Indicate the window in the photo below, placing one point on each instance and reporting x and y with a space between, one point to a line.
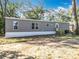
47 24
15 24
57 26
36 25
33 25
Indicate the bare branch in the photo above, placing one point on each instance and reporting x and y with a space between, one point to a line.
1 5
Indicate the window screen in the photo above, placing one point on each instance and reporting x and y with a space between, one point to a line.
33 25
15 24
36 25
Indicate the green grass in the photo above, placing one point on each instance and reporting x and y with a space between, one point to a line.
13 40
19 40
72 37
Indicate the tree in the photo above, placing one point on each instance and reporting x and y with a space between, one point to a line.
34 14
75 16
7 8
60 16
36 10
3 4
11 9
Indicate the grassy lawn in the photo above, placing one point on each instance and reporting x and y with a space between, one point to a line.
73 37
36 50
17 40
13 40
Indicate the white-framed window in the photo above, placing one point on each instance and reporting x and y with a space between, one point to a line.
15 25
47 24
57 26
34 25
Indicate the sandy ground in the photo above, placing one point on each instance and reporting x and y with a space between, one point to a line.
38 49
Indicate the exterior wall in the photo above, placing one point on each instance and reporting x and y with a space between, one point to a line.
64 26
26 25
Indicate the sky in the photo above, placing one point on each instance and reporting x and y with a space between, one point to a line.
52 3
57 3
49 4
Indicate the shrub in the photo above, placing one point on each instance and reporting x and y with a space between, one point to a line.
1 26
60 32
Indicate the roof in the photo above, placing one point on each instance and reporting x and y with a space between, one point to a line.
11 18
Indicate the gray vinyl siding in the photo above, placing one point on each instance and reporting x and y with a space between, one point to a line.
26 26
64 26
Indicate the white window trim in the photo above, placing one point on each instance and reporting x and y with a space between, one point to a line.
56 26
35 26
14 24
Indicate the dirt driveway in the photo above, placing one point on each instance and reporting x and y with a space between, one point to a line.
41 49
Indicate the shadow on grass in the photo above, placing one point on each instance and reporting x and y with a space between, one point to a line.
13 55
69 42
10 55
30 57
22 39
47 39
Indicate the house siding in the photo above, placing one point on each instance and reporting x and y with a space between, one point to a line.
26 25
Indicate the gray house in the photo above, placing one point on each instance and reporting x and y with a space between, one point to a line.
17 27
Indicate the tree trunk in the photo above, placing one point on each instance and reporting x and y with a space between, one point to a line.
75 16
